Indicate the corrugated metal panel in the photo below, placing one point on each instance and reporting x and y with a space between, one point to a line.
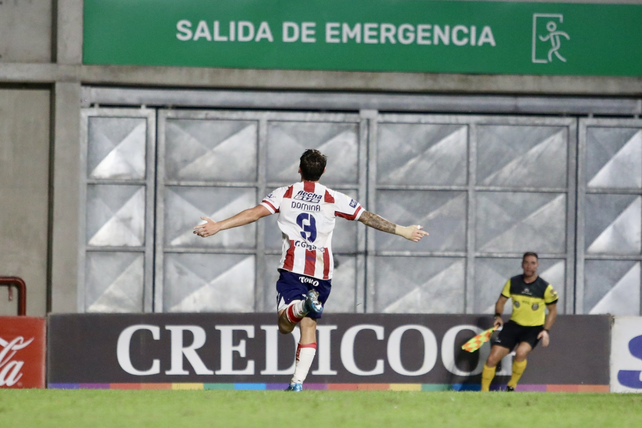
610 217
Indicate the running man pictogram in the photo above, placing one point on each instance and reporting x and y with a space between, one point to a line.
556 42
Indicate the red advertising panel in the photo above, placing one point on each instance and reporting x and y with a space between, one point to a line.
22 352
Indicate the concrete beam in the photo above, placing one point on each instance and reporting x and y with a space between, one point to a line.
31 73
360 81
69 32
66 183
349 100
188 77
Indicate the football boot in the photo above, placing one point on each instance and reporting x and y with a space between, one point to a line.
312 304
295 387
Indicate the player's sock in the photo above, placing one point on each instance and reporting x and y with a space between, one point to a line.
304 357
487 377
296 311
518 369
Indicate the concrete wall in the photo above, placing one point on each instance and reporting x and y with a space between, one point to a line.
24 190
25 26
41 47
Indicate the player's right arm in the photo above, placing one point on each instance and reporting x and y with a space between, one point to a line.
412 233
211 227
499 305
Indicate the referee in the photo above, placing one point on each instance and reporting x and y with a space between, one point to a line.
528 323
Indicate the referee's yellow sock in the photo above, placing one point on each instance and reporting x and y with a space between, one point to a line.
518 369
487 377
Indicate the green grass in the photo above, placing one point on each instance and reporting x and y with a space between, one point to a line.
328 409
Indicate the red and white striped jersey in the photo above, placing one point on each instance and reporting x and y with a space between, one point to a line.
307 215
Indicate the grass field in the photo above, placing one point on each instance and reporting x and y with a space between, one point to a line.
328 409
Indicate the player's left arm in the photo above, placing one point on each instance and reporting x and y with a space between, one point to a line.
412 233
211 227
548 323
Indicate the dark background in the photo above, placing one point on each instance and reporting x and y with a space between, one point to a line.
82 349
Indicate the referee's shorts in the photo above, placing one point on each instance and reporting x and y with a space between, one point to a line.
512 334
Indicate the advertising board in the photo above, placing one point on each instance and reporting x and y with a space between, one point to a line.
22 352
626 355
246 351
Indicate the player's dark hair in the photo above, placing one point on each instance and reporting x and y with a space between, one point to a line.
312 164
529 253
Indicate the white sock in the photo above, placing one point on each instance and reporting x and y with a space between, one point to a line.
296 311
304 357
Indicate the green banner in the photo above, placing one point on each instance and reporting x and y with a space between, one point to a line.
368 35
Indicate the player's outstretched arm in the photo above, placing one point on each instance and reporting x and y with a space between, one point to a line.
211 227
412 233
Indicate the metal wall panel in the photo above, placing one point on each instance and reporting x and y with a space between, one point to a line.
487 189
443 213
115 215
216 164
287 140
117 197
117 148
492 274
420 285
211 150
185 205
522 156
609 217
422 154
512 222
197 282
611 287
114 281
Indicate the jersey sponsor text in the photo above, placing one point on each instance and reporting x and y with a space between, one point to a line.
306 207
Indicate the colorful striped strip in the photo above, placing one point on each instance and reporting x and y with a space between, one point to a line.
328 387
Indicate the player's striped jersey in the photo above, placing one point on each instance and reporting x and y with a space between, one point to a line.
307 215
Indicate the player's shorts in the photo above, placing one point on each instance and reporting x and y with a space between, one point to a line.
294 286
513 334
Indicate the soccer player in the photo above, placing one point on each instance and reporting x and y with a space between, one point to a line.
307 212
528 324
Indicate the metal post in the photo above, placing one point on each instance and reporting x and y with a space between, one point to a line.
14 281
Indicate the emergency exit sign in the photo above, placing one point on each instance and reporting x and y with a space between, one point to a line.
368 35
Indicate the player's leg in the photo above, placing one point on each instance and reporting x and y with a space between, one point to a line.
527 342
305 353
308 344
285 325
294 301
497 353
297 309
503 343
519 364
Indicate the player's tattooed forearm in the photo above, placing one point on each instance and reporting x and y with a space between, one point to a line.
377 222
